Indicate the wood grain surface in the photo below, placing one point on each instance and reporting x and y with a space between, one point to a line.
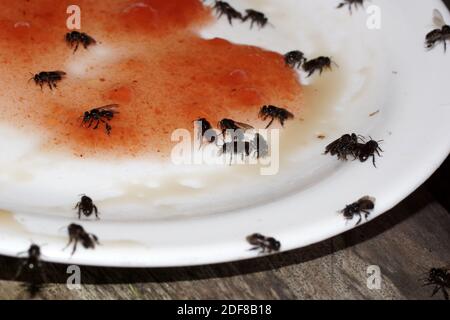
405 243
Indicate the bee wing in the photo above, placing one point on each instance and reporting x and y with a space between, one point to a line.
244 125
110 107
61 73
368 198
438 19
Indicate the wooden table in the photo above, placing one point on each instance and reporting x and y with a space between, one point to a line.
404 243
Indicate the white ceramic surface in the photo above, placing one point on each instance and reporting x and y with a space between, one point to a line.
165 215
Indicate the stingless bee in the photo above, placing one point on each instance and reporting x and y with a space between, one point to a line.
100 115
224 8
78 234
256 17
259 146
263 243
363 205
294 59
364 151
206 131
48 77
236 147
273 113
343 147
441 34
33 266
87 207
440 279
319 64
75 38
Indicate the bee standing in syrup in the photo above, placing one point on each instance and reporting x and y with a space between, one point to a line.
236 128
351 3
318 64
224 8
206 131
75 38
363 205
48 77
259 146
294 59
441 34
265 244
78 234
273 113
100 115
440 279
236 147
256 17
86 207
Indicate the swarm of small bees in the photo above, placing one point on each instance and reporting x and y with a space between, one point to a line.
234 133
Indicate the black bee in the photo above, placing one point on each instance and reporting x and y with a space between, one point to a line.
274 113
78 234
48 77
32 262
237 147
100 115
86 206
364 151
259 146
440 279
441 34
237 128
343 147
224 8
363 205
351 3
294 59
33 266
319 63
256 17
206 130
265 244
75 38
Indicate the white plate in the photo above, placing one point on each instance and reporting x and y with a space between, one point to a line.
385 69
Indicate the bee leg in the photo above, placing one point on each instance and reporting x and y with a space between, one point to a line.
270 123
230 19
445 292
436 290
359 220
76 46
96 212
108 128
97 124
79 213
373 160
71 239
74 247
